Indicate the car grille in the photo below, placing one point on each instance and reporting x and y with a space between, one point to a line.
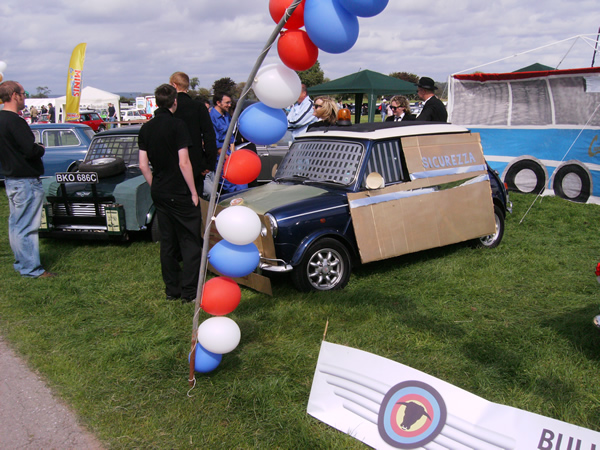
78 209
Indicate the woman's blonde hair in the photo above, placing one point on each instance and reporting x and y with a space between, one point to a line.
328 111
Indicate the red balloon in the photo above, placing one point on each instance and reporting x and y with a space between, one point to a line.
277 9
242 167
221 296
296 50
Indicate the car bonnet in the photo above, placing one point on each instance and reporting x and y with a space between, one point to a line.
264 198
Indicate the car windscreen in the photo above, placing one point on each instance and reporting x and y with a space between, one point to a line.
322 161
118 146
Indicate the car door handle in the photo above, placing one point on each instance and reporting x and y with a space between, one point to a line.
264 154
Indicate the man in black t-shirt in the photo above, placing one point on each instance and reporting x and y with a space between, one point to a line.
164 142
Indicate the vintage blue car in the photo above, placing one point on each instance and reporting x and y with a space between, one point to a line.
345 195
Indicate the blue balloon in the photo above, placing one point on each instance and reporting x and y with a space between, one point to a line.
234 260
364 8
330 26
205 361
262 124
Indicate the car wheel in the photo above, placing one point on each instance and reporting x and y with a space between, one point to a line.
325 266
493 240
525 176
104 167
572 182
101 128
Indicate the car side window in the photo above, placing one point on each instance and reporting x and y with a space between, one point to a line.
59 138
387 160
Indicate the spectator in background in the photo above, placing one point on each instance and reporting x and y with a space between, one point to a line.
203 151
300 115
51 113
400 109
325 110
433 109
112 114
383 108
34 114
221 119
21 160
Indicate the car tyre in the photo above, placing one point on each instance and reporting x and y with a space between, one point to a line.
325 266
493 240
104 167
530 170
101 128
578 188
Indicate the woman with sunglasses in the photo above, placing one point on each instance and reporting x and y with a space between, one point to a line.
326 110
400 109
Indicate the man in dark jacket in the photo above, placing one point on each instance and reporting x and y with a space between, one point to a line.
21 160
203 151
433 110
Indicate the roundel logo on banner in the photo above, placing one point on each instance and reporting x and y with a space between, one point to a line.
411 415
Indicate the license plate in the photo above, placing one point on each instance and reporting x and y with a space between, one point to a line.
77 177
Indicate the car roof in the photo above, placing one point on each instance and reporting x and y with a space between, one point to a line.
58 125
385 130
129 129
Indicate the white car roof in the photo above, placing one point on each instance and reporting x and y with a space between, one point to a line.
385 132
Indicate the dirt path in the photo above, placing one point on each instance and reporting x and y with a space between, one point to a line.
31 417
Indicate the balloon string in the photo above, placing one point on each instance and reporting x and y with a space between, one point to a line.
193 380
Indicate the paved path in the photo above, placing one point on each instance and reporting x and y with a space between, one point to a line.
31 417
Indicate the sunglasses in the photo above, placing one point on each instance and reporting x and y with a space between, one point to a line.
317 106
394 108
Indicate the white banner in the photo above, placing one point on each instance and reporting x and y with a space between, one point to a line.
389 405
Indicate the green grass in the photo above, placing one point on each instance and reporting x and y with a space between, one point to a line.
512 325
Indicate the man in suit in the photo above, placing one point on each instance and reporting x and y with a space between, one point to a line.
400 109
433 110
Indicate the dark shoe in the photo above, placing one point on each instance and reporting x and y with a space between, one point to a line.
172 297
187 300
47 274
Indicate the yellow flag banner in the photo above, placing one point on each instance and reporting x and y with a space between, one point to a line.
74 82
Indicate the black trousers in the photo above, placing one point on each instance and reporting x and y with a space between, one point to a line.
180 226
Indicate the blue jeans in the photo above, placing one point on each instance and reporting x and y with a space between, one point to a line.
25 197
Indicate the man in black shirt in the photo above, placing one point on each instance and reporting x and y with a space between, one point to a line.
21 160
203 151
164 142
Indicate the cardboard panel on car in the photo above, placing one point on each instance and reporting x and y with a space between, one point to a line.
449 201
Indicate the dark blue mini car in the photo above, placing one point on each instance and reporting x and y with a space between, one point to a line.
360 193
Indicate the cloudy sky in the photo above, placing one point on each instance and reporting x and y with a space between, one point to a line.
134 45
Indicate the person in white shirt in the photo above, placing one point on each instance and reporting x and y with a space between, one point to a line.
301 114
400 109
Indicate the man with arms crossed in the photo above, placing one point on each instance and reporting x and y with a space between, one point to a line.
164 142
21 160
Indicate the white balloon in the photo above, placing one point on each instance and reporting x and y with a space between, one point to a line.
277 86
219 335
238 225
3 66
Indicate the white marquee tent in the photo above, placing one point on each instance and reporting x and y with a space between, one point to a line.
91 98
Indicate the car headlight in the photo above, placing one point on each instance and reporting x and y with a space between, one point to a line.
272 224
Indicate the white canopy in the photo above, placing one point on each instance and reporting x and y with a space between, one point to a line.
91 98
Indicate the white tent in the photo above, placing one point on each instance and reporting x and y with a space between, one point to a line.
90 98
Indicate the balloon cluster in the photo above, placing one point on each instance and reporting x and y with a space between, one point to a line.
234 256
332 26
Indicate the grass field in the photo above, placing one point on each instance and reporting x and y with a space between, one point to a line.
512 325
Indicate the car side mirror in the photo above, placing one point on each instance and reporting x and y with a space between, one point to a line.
375 181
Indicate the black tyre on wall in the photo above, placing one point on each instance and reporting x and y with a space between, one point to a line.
325 266
526 176
572 182
104 167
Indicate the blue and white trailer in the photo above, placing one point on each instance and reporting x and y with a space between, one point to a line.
539 129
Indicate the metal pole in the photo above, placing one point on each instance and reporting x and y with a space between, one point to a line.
218 170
